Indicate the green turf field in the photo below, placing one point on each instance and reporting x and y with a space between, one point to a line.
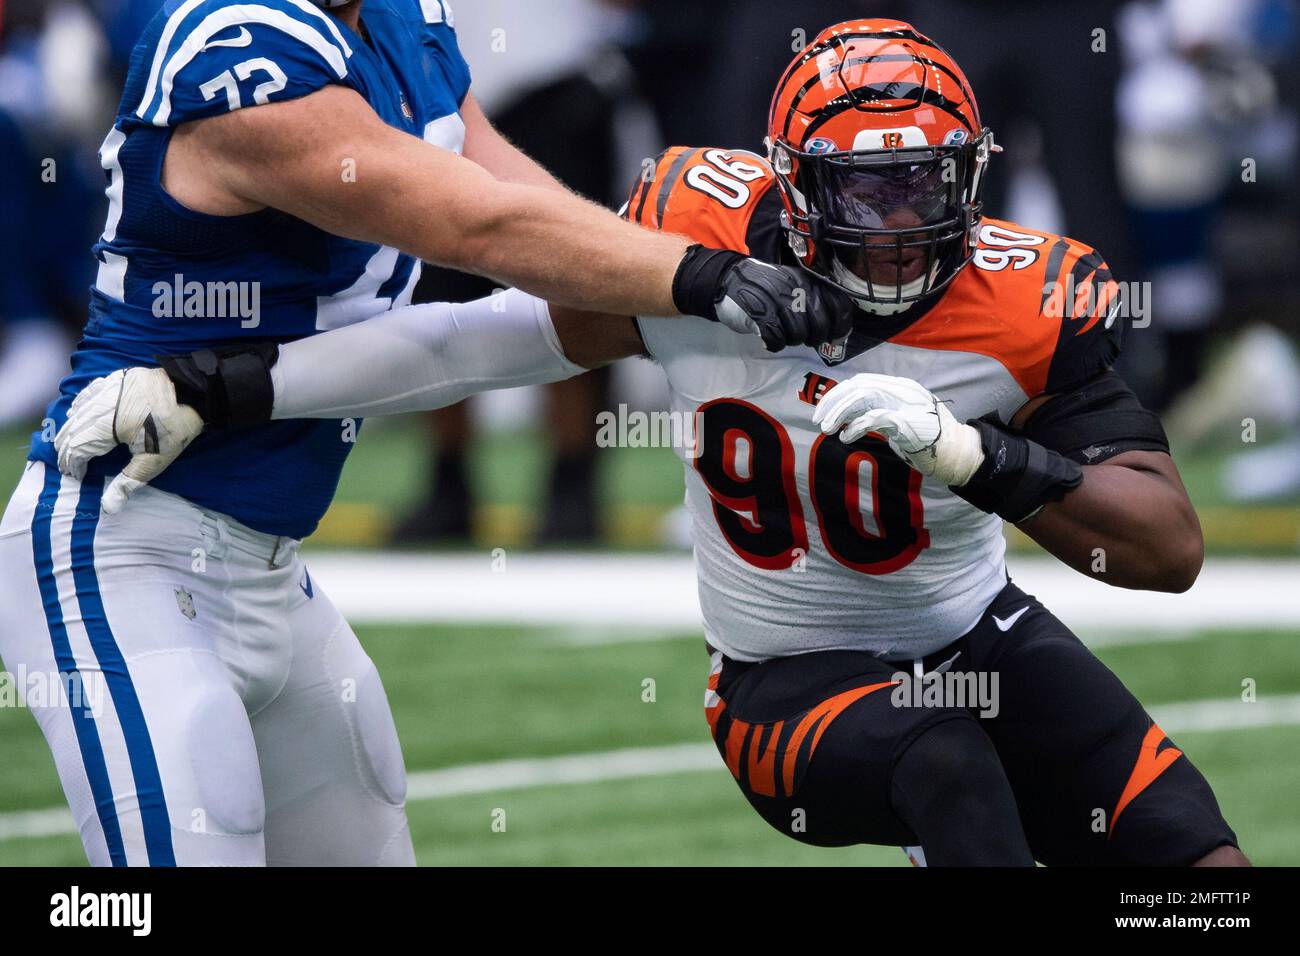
472 695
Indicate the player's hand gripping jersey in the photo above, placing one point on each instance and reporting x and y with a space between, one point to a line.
172 280
804 543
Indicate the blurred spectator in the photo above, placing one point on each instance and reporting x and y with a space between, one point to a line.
53 113
1198 97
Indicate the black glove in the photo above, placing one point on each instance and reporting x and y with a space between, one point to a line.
1018 476
786 306
228 387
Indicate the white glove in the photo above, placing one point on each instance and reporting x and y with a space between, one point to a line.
918 427
136 407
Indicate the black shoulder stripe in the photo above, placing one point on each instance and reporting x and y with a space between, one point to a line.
1052 274
670 180
1090 267
763 235
646 181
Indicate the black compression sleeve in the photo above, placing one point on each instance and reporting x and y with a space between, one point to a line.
1096 420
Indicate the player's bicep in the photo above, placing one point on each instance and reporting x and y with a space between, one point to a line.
593 339
329 159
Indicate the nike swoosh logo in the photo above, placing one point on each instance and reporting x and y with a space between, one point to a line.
306 585
244 39
1110 319
1010 622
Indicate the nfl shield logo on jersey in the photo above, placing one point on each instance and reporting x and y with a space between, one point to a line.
832 353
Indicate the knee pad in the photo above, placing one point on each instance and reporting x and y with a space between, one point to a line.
227 796
368 715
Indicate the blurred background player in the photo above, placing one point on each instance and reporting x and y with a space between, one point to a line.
555 83
52 59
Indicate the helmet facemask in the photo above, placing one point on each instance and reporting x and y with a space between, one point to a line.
888 226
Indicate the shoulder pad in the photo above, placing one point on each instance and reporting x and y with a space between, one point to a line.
1046 306
707 194
218 56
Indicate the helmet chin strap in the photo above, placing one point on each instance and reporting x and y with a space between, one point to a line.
860 290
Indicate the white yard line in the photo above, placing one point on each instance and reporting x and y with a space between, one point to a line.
605 594
557 771
502 775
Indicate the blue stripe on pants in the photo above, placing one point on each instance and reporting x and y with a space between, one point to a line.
92 751
139 747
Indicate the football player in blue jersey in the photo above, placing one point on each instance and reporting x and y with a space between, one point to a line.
277 169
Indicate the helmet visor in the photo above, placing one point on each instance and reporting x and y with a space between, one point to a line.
895 219
898 196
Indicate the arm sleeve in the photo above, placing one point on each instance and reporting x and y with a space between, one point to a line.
1096 420
420 358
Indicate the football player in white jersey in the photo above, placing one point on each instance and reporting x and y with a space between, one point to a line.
848 501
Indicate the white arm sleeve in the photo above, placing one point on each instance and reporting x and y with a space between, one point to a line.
419 358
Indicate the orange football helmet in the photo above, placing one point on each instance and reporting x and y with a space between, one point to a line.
879 152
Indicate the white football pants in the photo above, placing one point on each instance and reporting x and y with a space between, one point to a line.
212 707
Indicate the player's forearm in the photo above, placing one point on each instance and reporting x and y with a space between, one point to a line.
1126 526
550 243
570 251
419 358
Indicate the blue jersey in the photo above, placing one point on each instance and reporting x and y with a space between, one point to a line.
172 280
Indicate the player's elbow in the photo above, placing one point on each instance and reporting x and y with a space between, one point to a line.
1180 556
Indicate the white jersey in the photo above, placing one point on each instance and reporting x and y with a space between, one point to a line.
804 543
